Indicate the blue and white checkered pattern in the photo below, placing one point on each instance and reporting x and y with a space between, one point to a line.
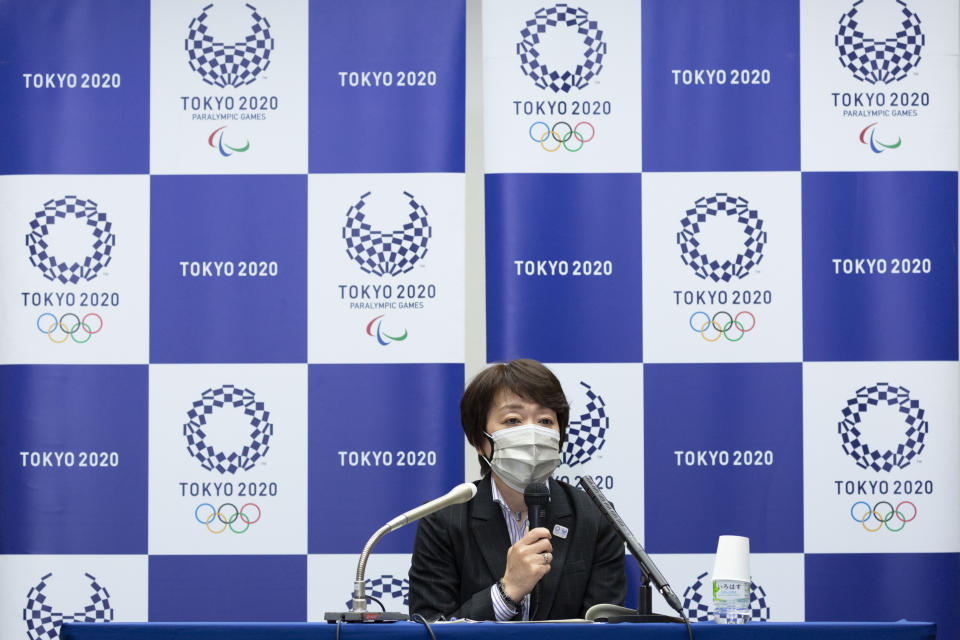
229 65
241 294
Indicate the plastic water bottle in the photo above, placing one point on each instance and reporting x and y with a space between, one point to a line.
731 601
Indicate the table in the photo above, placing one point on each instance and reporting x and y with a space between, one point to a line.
902 630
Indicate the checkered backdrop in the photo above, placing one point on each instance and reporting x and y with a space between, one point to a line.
232 302
732 226
233 292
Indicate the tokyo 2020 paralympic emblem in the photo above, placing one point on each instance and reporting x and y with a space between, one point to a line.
387 586
559 16
715 206
100 229
914 435
587 434
698 601
879 59
260 434
389 253
229 65
43 623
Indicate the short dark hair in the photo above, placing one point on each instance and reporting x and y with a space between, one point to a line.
528 379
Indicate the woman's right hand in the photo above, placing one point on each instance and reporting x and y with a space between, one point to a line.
527 562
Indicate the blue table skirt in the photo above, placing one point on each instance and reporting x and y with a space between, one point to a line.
902 630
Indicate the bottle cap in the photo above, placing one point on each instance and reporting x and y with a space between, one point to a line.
732 561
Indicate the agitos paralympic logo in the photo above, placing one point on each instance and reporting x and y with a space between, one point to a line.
226 150
561 16
868 136
229 65
383 338
43 623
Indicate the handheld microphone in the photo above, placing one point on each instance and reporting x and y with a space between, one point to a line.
646 563
460 493
537 497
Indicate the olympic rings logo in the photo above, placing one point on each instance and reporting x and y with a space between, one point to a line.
883 520
731 325
562 137
72 327
228 519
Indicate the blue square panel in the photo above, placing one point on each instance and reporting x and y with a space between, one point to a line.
563 267
721 85
723 455
387 86
228 269
383 439
878 246
246 589
75 83
884 587
74 445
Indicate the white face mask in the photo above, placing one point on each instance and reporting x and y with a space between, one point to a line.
524 454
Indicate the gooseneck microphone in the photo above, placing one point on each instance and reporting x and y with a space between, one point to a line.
646 563
460 493
537 497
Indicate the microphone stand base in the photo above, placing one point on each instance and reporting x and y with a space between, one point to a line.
364 616
649 617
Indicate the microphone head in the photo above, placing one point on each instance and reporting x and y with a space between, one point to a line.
463 492
536 494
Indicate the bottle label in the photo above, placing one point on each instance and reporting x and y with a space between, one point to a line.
724 590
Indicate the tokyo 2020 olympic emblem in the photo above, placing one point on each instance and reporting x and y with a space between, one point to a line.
698 601
705 266
587 434
914 435
561 16
386 586
103 240
43 623
229 65
260 434
884 59
389 253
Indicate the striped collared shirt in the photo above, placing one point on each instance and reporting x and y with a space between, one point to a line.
517 528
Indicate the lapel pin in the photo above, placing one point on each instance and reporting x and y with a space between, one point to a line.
560 531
